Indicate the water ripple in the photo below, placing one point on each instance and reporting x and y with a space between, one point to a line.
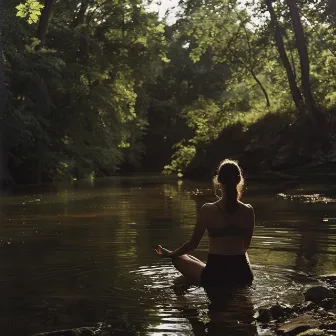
82 255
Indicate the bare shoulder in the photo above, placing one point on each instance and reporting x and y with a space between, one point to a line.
209 206
207 209
206 206
247 207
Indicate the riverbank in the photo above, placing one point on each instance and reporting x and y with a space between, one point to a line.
314 316
276 147
313 173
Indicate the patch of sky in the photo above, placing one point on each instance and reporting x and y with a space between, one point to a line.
167 9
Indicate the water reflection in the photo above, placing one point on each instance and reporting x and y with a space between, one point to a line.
84 254
183 310
230 312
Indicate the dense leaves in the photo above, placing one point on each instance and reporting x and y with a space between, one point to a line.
270 65
77 103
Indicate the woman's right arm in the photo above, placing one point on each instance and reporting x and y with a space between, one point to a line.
194 241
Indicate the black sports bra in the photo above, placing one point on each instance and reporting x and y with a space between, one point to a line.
226 231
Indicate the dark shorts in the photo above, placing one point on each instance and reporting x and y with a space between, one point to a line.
226 270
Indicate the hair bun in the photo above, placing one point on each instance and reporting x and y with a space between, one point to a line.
229 176
229 173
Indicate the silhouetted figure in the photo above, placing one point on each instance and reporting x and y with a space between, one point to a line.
227 273
230 224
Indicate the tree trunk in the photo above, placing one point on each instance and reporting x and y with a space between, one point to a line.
44 21
304 60
83 48
268 103
5 177
292 59
249 67
295 91
79 20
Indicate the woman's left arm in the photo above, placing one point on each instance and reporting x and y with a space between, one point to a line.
193 243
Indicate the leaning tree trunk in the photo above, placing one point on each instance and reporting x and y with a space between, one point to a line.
268 103
44 21
250 68
295 91
304 61
5 177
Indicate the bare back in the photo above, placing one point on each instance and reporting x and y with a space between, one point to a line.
229 234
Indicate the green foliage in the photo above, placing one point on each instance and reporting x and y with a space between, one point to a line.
114 87
78 105
242 39
31 9
180 159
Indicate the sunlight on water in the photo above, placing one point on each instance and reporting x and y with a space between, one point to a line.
83 255
271 285
314 198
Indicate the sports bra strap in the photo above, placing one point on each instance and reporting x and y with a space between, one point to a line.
224 214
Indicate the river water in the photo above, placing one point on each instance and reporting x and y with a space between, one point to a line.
82 255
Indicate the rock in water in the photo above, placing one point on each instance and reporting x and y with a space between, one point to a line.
263 315
312 332
297 325
70 332
280 311
83 332
307 306
330 278
318 294
328 303
330 326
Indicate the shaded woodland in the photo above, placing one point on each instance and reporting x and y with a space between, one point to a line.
100 87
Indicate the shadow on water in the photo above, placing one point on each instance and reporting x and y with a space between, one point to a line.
230 311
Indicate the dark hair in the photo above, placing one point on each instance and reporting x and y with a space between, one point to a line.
229 176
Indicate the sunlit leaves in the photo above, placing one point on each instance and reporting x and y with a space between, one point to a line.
181 159
30 9
206 118
164 58
84 94
107 66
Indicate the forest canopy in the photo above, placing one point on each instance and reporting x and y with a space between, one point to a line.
97 87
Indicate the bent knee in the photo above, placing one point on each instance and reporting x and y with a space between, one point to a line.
178 260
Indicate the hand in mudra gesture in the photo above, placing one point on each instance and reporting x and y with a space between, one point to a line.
162 252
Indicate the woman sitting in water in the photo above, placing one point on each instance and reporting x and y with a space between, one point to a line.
230 225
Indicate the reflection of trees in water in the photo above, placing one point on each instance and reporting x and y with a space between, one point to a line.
171 220
92 239
181 206
312 237
317 248
291 233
